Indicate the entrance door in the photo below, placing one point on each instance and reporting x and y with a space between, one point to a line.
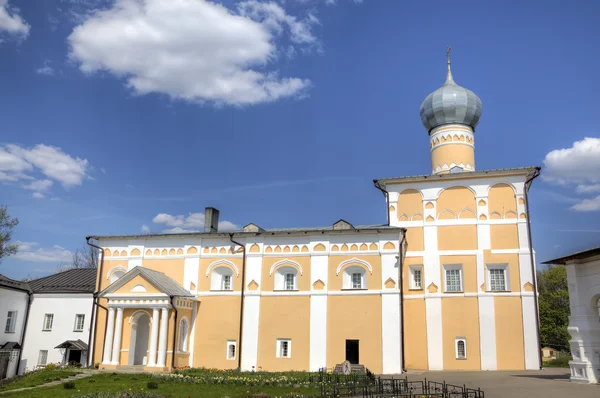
140 332
352 351
4 365
74 356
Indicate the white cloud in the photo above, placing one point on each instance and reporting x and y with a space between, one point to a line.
145 229
38 195
193 50
11 22
39 185
576 165
588 188
588 205
29 251
193 222
46 69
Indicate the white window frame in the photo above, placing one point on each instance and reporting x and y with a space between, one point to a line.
11 321
226 279
347 278
40 356
285 281
464 341
503 267
228 351
216 278
412 270
280 281
76 328
279 348
454 267
45 324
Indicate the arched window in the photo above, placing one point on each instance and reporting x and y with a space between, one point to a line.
286 278
116 273
461 348
183 335
221 279
354 277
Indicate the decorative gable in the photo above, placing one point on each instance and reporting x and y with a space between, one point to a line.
137 284
342 224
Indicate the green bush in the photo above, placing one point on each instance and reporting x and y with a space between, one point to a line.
50 366
69 385
562 361
152 385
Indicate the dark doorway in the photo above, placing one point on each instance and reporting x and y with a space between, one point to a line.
74 356
352 351
4 365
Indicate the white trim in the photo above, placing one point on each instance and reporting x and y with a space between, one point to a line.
137 296
278 344
227 345
503 267
138 289
453 267
285 262
411 273
352 261
116 269
216 263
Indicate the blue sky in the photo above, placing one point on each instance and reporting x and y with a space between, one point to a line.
131 116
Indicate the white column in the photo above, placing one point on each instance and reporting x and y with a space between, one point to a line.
153 338
318 314
116 352
390 316
251 319
110 328
162 346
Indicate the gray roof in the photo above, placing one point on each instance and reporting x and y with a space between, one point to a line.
265 231
452 176
73 344
450 103
10 345
582 255
78 280
11 283
158 279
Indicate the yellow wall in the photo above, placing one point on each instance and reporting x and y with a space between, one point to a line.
460 318
456 153
137 280
457 237
171 267
501 198
373 280
504 236
456 199
410 202
509 333
513 266
469 267
217 321
414 238
415 335
354 318
284 317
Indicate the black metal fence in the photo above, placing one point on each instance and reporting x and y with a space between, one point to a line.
369 386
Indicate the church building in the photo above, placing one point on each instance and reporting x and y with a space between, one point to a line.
447 284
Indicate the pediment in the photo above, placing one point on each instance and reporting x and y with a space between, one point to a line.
132 283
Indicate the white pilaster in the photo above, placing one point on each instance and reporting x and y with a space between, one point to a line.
153 338
162 345
487 333
191 269
318 314
391 336
193 333
251 314
108 339
116 352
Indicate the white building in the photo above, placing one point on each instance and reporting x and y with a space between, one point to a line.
583 273
59 321
14 297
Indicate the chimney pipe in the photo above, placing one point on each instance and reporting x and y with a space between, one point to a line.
211 219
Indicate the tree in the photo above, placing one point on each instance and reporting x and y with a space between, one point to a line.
7 223
84 257
554 307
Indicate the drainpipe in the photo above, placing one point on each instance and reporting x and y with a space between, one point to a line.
401 285
174 333
528 182
239 348
387 198
95 303
29 301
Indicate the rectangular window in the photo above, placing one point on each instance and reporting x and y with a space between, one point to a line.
497 277
416 277
79 320
226 285
48 320
461 348
290 282
284 348
43 357
357 281
231 347
453 278
11 321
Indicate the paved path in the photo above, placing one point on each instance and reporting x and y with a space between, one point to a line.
52 383
547 383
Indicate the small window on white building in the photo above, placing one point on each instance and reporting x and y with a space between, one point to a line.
497 276
221 279
461 348
43 358
48 321
79 322
416 277
286 278
453 278
183 335
115 275
231 349
11 321
354 277
284 348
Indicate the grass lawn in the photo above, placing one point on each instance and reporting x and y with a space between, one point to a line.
38 378
122 382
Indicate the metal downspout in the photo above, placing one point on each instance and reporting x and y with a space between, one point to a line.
387 198
533 269
30 299
401 286
174 333
239 348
